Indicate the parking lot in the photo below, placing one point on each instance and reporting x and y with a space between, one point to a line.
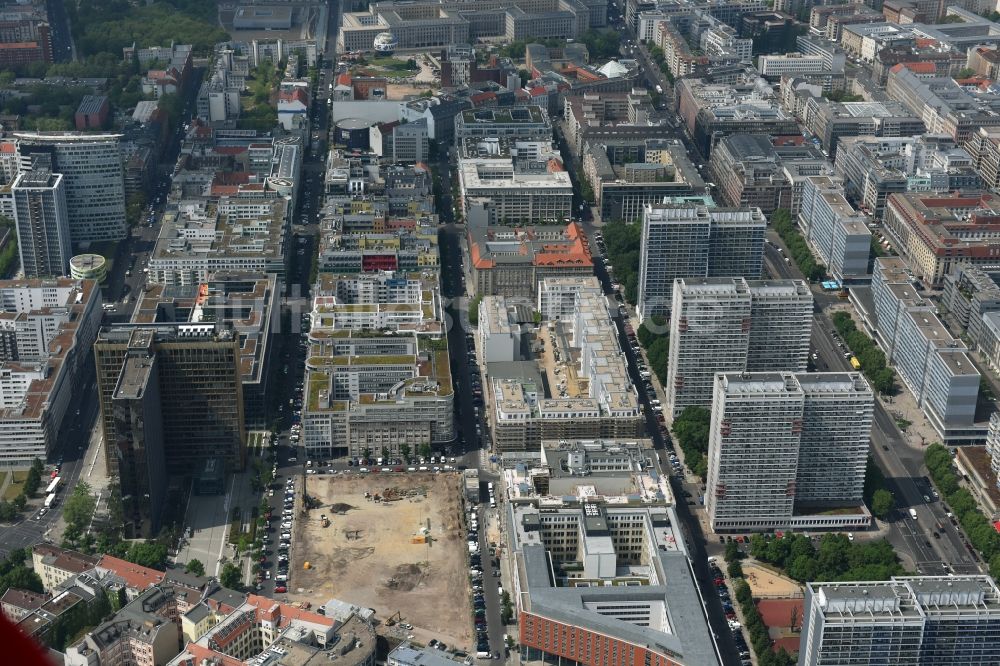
393 542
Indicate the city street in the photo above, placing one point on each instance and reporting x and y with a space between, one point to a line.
901 463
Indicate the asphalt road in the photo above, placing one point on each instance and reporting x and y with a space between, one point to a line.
901 463
73 440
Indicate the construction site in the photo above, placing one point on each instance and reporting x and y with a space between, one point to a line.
391 542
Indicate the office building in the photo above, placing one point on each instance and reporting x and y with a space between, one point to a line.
42 221
733 325
525 191
91 167
246 303
931 363
627 175
199 237
46 330
749 170
511 261
430 24
798 64
588 519
837 234
785 448
919 620
695 241
519 123
935 233
171 397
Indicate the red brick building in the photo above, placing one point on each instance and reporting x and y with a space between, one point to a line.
92 114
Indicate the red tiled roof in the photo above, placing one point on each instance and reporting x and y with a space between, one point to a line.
344 80
294 95
916 67
135 576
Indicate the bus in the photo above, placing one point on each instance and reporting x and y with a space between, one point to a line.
855 363
50 501
54 486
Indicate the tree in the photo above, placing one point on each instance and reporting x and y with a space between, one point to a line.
385 453
735 569
732 551
882 503
195 568
79 508
147 554
425 450
404 450
31 482
231 576
366 453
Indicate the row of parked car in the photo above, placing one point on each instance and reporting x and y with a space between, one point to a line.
284 539
727 607
478 598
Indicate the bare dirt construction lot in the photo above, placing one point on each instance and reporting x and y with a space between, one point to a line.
372 554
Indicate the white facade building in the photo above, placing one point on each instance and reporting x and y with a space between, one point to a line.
733 325
784 446
42 222
695 241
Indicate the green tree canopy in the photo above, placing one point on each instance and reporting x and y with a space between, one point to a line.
195 568
79 507
882 503
231 576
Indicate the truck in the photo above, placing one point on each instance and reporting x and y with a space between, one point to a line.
50 500
855 363
659 89
913 514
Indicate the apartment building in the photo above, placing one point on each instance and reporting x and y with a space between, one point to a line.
41 220
713 110
600 401
377 372
837 234
786 447
171 396
695 241
733 325
920 620
47 328
932 364
970 293
943 105
92 171
935 233
55 565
